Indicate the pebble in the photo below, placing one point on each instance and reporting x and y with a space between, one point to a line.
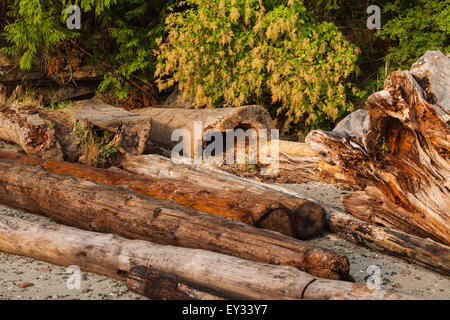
23 285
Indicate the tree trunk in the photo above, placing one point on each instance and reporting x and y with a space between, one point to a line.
424 252
216 193
52 134
158 285
401 147
219 274
227 195
132 131
298 163
166 120
27 129
116 209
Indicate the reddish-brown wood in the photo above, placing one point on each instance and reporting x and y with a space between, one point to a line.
117 209
27 129
195 187
400 146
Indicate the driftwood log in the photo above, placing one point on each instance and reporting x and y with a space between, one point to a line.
216 193
424 252
227 195
166 120
117 209
400 146
160 285
70 83
12 74
30 131
53 134
131 131
298 163
208 273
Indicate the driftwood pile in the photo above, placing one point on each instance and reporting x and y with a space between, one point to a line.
70 83
183 231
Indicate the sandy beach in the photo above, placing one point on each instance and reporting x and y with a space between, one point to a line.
46 281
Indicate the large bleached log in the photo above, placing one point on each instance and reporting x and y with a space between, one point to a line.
27 129
117 209
166 120
216 193
298 163
131 131
219 274
401 146
424 252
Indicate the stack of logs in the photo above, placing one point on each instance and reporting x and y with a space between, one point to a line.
182 231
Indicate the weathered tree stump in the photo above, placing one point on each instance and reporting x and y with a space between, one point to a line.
400 148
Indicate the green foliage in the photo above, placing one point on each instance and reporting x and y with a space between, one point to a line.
59 105
231 53
98 146
34 27
297 58
120 35
417 26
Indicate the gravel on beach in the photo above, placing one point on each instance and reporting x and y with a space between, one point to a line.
23 278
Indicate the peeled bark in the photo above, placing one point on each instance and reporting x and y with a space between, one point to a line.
27 129
400 146
211 272
52 134
166 120
92 206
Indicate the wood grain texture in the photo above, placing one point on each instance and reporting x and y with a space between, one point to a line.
116 256
117 209
27 129
131 130
166 120
424 252
226 195
400 145
216 193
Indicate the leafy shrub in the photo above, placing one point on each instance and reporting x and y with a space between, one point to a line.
235 52
118 36
416 26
